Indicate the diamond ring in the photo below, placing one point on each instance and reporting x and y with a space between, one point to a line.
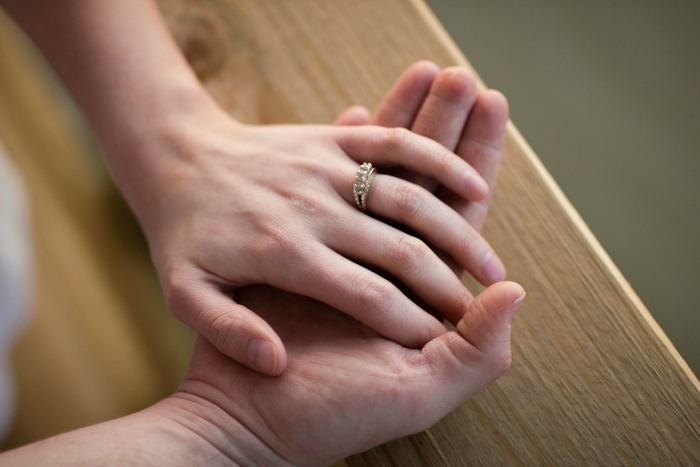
363 179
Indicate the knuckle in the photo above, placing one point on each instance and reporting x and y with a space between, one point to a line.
444 160
464 300
500 362
177 294
221 330
311 205
410 200
281 244
469 239
394 139
374 294
408 253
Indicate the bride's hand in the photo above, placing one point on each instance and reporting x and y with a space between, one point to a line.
237 205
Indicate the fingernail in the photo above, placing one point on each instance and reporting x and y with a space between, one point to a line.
475 185
492 269
262 356
514 307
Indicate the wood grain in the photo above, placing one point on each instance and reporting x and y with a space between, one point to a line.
99 343
594 380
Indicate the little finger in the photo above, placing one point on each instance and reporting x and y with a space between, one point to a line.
408 204
407 258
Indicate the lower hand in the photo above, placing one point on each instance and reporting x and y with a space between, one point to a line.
346 388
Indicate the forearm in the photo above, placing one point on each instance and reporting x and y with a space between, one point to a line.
124 70
179 431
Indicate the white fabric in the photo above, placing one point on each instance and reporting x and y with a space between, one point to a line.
15 278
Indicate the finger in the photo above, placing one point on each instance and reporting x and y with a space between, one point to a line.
362 294
398 147
353 116
403 101
486 325
444 112
233 329
413 206
479 352
482 140
480 146
408 259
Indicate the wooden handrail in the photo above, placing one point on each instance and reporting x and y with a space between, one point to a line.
594 379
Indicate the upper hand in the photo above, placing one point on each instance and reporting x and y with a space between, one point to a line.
274 205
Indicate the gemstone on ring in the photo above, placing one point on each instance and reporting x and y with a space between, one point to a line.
363 179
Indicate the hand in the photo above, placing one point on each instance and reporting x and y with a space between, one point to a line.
225 205
273 205
346 389
446 107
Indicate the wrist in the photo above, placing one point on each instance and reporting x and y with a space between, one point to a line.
205 431
177 431
169 109
153 153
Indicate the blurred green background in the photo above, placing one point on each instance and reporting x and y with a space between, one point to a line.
608 95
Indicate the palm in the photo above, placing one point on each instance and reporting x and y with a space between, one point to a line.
346 388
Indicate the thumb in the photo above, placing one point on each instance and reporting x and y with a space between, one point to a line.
353 116
486 325
233 329
479 352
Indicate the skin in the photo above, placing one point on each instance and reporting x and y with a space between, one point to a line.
346 388
349 383
225 205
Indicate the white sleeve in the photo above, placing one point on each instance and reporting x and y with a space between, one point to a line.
15 277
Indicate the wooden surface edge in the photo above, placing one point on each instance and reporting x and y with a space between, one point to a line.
557 193
576 219
571 213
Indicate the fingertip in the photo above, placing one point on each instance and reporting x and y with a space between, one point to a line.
490 311
265 357
234 330
476 187
425 67
496 103
516 305
354 116
506 298
456 84
401 104
504 294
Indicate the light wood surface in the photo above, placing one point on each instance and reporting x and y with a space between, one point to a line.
99 342
594 380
